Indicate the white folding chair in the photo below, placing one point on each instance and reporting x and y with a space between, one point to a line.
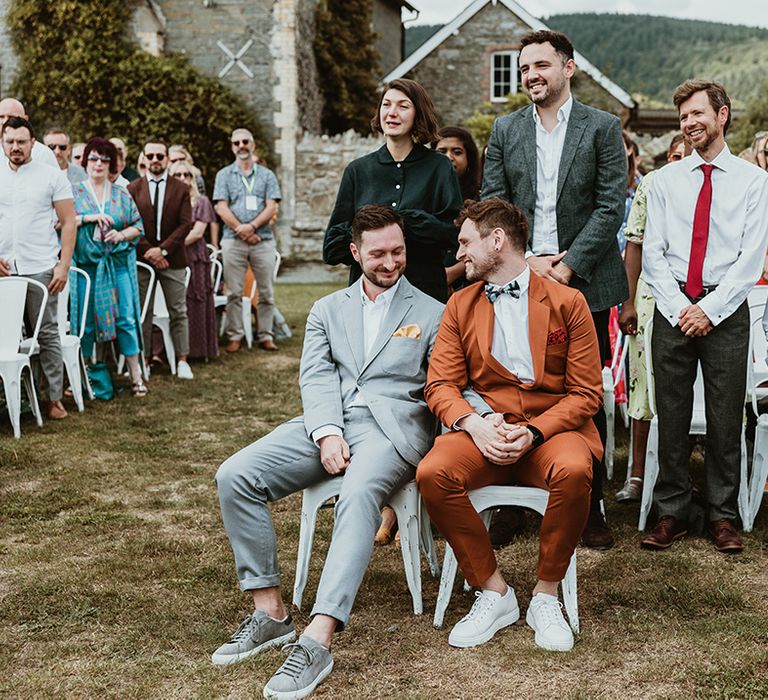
484 500
213 251
757 298
71 352
246 308
413 528
13 299
611 377
144 309
698 427
162 319
758 376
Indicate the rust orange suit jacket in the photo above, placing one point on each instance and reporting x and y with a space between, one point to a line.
567 387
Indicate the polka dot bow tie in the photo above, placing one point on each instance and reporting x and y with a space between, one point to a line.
493 291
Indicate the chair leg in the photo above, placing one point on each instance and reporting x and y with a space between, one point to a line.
72 368
408 523
570 595
744 509
610 435
651 473
247 322
446 586
29 385
309 508
86 378
12 385
759 468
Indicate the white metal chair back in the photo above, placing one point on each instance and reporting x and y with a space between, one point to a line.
217 269
151 272
13 297
757 298
213 252
187 276
278 260
758 363
63 305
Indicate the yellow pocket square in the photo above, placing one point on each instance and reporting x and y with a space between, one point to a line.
411 331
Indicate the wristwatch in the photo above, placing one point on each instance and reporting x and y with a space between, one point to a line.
164 252
538 438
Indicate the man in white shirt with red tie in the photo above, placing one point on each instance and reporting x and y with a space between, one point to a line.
705 242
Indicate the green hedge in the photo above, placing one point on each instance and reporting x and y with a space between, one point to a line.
78 69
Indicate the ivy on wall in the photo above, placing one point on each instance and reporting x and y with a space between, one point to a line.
79 70
346 63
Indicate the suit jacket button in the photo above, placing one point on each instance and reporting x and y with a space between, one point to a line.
527 415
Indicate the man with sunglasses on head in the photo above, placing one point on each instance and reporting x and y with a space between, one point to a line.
58 141
165 209
246 196
10 107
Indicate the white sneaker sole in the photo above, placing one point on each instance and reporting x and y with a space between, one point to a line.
504 621
545 644
303 692
229 659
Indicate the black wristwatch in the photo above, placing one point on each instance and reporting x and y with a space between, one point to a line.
538 438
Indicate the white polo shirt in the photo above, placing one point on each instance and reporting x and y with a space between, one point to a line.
28 239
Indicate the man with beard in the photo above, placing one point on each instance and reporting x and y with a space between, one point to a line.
246 195
705 239
32 197
565 166
527 346
365 422
10 107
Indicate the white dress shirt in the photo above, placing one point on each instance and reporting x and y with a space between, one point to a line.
374 313
738 233
511 346
28 240
151 179
549 151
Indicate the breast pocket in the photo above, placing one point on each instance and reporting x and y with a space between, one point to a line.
402 357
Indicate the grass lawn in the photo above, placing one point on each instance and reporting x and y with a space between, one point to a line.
117 581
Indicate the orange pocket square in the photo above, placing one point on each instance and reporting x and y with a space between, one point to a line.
411 331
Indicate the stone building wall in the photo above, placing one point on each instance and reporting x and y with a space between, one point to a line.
389 34
457 73
320 161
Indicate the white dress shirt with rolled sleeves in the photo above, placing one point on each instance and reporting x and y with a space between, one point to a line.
738 234
549 151
374 313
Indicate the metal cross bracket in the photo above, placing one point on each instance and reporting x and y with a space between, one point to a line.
234 59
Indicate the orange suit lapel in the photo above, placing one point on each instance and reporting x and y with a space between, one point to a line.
538 327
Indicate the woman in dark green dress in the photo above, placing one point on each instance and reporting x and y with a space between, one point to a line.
419 183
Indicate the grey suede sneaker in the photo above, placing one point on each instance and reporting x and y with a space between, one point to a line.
256 633
305 668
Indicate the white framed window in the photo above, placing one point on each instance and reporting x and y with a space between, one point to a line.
504 74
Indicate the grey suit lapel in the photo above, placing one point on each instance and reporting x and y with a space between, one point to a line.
352 317
401 302
528 138
574 132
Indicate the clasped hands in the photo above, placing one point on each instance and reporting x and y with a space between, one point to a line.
499 442
694 322
247 232
551 267
156 257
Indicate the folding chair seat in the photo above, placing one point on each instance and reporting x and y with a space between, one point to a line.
484 500
413 529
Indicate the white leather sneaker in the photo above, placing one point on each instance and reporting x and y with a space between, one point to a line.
184 371
545 618
490 613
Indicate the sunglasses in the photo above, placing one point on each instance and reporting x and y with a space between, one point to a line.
178 160
154 156
55 146
244 142
184 175
93 158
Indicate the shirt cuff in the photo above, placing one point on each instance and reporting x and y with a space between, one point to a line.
324 431
455 425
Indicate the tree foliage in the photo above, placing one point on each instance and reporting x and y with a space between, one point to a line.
78 70
754 119
346 62
481 122
653 55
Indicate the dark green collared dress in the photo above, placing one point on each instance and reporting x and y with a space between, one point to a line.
423 189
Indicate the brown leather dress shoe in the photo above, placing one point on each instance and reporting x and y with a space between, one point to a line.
667 530
56 410
268 345
233 346
597 534
726 538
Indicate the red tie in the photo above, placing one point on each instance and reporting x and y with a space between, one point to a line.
694 284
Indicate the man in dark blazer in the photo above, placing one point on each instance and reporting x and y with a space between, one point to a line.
565 166
164 205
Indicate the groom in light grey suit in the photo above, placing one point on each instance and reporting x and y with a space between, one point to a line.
564 164
363 370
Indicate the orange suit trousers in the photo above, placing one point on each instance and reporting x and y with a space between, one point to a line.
455 466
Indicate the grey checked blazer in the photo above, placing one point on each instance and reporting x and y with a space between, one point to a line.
391 379
591 193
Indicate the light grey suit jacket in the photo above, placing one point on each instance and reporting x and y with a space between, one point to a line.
391 379
591 193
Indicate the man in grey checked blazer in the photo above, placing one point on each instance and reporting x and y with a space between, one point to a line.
365 422
564 164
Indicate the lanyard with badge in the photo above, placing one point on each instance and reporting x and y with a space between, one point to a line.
251 200
99 230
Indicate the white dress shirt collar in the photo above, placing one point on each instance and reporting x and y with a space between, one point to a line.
383 298
563 114
523 281
720 161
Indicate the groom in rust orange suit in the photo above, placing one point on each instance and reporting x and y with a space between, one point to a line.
527 349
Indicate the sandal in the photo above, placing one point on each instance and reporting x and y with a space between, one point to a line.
632 490
139 389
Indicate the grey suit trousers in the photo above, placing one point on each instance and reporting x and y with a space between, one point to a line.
286 461
175 293
723 355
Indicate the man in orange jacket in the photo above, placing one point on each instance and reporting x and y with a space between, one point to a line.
527 347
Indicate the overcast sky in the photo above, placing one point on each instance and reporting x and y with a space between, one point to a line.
750 12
